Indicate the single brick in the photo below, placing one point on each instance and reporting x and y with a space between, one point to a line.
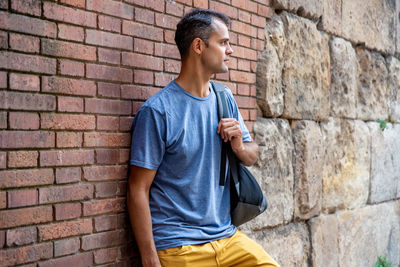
24 120
109 24
24 43
244 65
200 3
175 9
166 50
243 89
69 32
107 139
77 3
18 217
169 36
68 175
244 16
144 15
2 238
68 211
3 120
65 193
70 15
265 11
245 114
84 259
72 68
30 177
102 106
244 77
3 79
65 229
157 5
245 102
67 121
26 139
69 139
3 40
18 159
124 155
66 157
244 53
142 61
227 9
70 104
143 31
162 79
143 46
246 5
102 72
117 9
28 25
30 63
107 156
109 89
173 66
32 253
166 21
109 56
31 7
105 255
21 236
102 206
107 123
138 92
104 173
109 39
25 101
125 123
66 246
105 239
109 189
25 82
68 49
106 222
144 77
3 201
59 85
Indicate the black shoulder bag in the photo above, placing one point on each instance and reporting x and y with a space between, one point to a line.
247 198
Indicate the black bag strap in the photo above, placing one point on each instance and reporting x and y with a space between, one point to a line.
226 150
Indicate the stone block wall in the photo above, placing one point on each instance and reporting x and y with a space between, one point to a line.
329 70
73 73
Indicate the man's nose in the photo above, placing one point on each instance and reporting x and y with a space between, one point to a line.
229 50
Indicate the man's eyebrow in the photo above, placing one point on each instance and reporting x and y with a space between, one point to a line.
224 39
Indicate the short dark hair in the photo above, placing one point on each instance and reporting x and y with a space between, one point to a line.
196 24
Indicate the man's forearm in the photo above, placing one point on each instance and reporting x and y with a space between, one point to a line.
139 213
248 154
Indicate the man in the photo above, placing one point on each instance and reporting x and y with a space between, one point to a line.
179 213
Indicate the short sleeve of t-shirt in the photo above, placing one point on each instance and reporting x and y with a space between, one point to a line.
148 139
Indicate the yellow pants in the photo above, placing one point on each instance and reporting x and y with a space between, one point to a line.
237 250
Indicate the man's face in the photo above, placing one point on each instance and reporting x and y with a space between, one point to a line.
216 56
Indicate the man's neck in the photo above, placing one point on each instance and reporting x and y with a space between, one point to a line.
194 81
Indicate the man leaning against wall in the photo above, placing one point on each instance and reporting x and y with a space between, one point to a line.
179 213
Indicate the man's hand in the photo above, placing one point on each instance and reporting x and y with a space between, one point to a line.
229 129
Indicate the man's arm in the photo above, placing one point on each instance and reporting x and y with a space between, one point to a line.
139 184
229 129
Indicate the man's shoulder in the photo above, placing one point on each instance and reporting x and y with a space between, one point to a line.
160 100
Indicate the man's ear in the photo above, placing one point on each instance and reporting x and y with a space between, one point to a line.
198 46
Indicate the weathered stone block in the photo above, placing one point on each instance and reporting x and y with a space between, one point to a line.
289 245
331 20
369 232
344 76
370 22
357 237
324 235
308 162
274 172
306 70
385 162
310 9
269 70
347 164
373 93
394 87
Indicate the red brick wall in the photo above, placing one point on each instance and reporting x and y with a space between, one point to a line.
73 73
